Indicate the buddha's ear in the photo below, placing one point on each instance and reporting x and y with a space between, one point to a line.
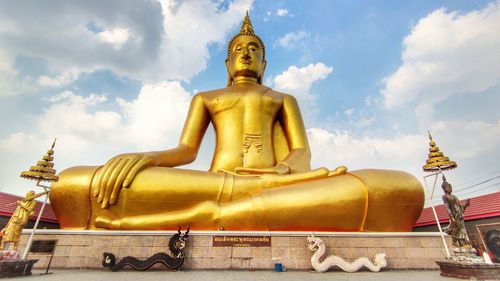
229 78
261 77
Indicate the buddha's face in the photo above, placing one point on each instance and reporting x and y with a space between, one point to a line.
246 57
30 194
447 188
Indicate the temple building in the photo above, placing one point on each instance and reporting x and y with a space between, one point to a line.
482 215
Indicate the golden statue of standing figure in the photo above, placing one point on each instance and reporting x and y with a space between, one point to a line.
260 177
11 233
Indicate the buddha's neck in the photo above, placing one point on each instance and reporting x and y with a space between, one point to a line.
244 80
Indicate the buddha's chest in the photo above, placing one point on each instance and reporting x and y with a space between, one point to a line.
248 105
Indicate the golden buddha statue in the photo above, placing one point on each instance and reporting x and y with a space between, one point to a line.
260 177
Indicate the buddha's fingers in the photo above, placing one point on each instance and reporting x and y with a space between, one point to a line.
136 168
96 180
279 180
243 170
98 183
340 170
110 183
104 183
236 174
117 187
105 222
122 178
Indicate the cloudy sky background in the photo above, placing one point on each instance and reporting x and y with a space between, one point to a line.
371 77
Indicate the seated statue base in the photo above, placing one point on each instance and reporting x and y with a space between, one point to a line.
469 270
13 268
83 249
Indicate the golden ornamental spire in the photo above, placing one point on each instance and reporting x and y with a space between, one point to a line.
43 170
437 161
246 27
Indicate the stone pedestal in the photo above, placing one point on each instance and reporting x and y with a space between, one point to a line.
83 249
12 268
467 270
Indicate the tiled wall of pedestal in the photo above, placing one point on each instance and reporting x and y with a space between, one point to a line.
85 251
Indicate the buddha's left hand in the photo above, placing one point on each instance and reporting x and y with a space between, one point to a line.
280 169
117 173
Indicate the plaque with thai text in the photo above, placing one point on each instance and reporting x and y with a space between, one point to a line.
241 241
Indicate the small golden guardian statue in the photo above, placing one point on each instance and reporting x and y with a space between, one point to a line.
13 229
260 177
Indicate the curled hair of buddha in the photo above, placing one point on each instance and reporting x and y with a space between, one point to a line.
246 29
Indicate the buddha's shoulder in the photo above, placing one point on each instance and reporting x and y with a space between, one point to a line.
211 94
232 92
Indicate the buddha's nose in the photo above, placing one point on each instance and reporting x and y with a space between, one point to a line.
246 56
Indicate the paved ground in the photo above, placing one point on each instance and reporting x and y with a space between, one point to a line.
202 275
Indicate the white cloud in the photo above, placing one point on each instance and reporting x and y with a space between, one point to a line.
281 12
8 75
190 27
116 36
349 112
298 82
290 39
171 44
301 79
88 136
478 139
155 118
332 149
447 53
62 79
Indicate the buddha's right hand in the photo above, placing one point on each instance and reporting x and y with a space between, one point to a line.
117 173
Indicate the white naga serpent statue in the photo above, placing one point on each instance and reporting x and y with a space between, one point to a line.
316 245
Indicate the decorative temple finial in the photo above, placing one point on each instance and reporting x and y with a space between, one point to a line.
43 171
437 161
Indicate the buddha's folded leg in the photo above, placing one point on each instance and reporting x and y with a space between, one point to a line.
70 197
164 198
154 190
335 203
395 199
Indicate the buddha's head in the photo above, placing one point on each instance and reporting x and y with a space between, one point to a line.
446 186
30 194
246 54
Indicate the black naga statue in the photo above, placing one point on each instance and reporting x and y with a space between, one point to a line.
176 244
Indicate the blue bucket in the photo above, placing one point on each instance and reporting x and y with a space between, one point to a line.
278 267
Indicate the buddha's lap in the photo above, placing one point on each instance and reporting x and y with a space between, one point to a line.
377 197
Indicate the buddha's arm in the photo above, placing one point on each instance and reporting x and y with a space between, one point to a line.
121 170
299 158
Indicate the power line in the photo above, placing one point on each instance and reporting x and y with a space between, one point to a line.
482 188
470 186
473 179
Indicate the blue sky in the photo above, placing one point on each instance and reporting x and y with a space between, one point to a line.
371 78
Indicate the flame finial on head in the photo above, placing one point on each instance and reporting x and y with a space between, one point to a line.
246 29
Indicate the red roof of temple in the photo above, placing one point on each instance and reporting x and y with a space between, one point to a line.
485 206
8 205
